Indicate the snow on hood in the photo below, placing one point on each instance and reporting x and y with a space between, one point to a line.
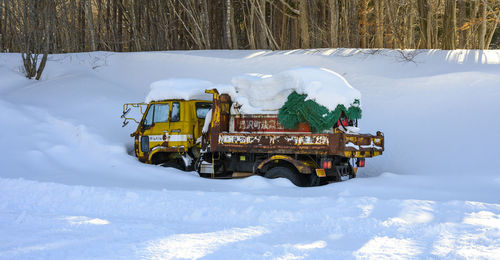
266 94
180 88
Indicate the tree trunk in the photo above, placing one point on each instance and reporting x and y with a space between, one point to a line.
132 24
234 38
81 19
99 29
304 25
227 24
2 32
379 23
410 42
449 25
5 44
119 25
482 26
474 39
353 23
264 26
425 14
284 43
73 30
251 27
462 35
114 22
323 25
90 21
435 24
363 21
42 66
430 23
333 6
205 22
107 21
47 21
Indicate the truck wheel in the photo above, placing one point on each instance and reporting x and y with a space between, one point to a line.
284 172
177 164
317 181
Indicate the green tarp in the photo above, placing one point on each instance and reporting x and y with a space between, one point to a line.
297 109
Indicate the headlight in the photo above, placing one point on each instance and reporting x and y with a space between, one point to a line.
145 144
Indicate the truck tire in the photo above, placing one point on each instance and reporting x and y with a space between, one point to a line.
314 180
177 164
285 172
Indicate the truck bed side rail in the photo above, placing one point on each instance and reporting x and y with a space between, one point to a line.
347 145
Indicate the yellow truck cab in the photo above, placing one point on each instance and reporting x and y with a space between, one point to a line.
169 131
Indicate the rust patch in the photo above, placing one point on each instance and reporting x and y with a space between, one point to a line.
265 123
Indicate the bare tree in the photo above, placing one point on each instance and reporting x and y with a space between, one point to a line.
35 17
135 25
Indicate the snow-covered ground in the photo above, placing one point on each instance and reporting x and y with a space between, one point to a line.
71 190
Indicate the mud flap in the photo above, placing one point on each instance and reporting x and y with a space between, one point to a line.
344 172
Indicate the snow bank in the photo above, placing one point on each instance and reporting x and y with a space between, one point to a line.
66 129
266 94
179 88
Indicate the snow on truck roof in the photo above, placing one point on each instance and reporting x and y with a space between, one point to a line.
179 88
265 94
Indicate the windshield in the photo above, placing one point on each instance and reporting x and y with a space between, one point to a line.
148 120
157 113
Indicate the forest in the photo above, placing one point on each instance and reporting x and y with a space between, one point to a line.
62 26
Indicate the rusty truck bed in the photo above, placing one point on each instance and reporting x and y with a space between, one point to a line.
222 139
341 144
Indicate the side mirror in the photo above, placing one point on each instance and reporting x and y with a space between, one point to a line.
146 127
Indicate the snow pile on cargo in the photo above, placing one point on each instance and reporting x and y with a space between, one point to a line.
266 94
180 88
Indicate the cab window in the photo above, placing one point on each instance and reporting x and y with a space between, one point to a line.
202 109
176 112
161 113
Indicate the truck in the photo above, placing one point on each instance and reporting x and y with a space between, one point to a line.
206 137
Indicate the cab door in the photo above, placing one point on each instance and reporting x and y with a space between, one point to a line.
154 128
181 130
